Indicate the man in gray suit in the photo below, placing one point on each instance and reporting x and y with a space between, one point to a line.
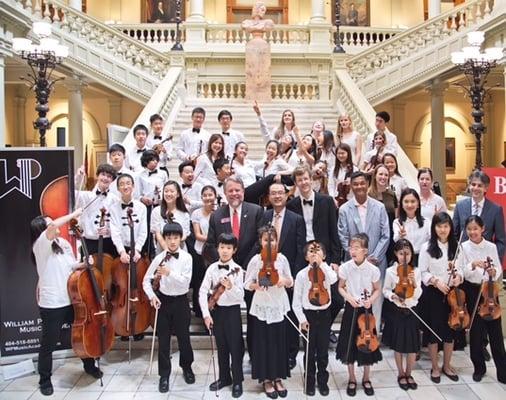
365 214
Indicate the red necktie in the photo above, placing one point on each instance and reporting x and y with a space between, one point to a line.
235 224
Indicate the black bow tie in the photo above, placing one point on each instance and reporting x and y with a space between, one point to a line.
123 206
152 172
226 133
187 186
306 202
220 184
196 130
157 137
98 193
223 266
140 151
175 255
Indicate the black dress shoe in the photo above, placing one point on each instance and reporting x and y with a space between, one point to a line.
237 391
163 385
486 354
283 392
403 385
435 379
217 385
292 362
333 337
270 395
477 377
95 372
189 376
124 338
411 383
323 388
351 388
454 378
138 337
310 391
368 389
47 389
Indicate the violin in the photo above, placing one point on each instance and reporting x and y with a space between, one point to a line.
404 289
131 309
367 340
458 318
218 290
194 161
489 303
268 274
343 189
318 293
104 261
158 148
92 329
155 281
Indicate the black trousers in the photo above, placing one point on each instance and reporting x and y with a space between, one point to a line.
248 298
173 315
292 334
229 343
319 334
337 302
149 245
52 321
109 248
480 330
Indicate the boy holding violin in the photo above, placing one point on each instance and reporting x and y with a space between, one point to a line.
166 284
220 298
311 301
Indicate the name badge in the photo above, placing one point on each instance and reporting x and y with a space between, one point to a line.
225 220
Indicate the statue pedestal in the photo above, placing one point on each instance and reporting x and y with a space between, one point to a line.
258 70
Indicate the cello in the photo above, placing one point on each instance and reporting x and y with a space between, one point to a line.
131 314
367 340
92 329
104 261
268 274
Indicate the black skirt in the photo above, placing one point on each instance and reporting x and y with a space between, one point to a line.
342 343
269 355
401 330
436 310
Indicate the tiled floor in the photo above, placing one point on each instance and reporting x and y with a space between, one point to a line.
126 381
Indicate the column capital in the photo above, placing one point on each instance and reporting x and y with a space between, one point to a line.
437 87
75 83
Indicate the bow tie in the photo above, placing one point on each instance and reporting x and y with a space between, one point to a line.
196 130
187 186
98 193
140 151
152 172
123 206
220 184
307 202
157 137
175 255
226 133
223 266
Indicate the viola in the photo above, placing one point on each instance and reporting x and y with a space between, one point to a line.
131 314
268 274
404 289
367 340
218 290
104 261
318 293
489 303
92 329
458 318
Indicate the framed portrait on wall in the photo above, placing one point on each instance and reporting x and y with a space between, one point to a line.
355 12
159 12
450 154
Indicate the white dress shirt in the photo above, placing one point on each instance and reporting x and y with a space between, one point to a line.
391 280
477 208
151 183
133 158
478 252
359 278
230 297
435 267
397 184
168 146
204 172
303 285
245 171
269 305
362 210
308 212
120 231
113 187
202 220
231 213
90 218
193 193
177 282
231 140
158 222
192 143
276 166
416 235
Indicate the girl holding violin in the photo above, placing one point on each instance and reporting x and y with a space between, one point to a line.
204 168
358 277
311 302
375 156
339 184
482 269
403 288
267 275
220 297
55 263
435 259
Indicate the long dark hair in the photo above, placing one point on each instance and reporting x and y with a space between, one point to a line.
328 141
433 248
418 213
349 159
37 226
179 201
396 172
215 137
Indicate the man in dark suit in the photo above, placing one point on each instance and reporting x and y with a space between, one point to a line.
491 213
238 217
320 218
291 231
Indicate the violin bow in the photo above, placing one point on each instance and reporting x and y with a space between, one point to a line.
457 251
153 340
424 323
211 334
350 338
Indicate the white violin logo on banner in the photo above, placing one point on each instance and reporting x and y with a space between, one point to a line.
29 170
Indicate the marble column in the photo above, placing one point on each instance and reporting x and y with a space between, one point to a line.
437 142
77 4
115 110
317 11
196 11
75 116
434 8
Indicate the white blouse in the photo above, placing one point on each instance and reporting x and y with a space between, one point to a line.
391 280
270 305
204 172
158 222
276 166
416 235
352 141
478 252
359 277
202 220
398 184
435 267
246 172
433 205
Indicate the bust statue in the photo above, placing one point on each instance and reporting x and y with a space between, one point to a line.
257 25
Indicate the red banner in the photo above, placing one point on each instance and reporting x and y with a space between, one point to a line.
497 192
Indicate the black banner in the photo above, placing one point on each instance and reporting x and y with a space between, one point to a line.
32 182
